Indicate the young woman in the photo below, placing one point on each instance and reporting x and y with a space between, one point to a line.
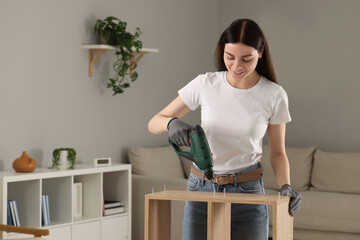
239 103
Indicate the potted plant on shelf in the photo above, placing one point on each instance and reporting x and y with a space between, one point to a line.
113 32
64 157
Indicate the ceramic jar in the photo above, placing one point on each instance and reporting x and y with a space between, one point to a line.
24 163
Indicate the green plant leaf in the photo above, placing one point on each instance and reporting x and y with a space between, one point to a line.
125 85
134 76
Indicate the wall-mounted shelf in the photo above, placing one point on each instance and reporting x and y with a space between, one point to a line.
99 49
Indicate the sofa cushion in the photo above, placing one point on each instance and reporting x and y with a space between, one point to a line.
300 160
329 211
336 172
156 161
326 211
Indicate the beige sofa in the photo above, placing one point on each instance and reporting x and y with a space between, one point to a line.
329 183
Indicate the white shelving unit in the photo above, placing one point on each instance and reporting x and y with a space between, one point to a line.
98 183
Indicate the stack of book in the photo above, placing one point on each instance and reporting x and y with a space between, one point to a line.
113 207
45 210
13 216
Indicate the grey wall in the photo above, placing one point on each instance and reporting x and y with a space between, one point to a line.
316 52
47 99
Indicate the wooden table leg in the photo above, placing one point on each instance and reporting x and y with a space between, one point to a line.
282 222
157 219
219 221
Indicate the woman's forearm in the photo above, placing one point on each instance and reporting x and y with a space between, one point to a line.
158 124
280 165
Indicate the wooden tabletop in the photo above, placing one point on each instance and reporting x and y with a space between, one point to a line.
218 197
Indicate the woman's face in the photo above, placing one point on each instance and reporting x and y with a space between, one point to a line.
240 60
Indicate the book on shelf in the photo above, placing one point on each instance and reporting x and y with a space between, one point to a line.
12 212
77 199
45 210
48 208
110 204
114 210
16 214
9 217
111 207
13 215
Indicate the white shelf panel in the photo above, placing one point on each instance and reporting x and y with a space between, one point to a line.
116 215
114 228
56 224
45 172
108 47
84 219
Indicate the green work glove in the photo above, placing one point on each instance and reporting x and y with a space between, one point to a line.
295 198
179 132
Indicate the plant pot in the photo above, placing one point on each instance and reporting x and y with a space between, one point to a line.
24 163
63 161
103 40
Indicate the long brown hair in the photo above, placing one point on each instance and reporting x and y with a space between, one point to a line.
248 32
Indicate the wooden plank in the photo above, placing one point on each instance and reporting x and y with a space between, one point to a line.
93 59
219 221
219 197
157 219
282 222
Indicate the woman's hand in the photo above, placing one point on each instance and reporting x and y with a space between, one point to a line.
295 198
179 132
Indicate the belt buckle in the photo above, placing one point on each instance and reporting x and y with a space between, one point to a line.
216 178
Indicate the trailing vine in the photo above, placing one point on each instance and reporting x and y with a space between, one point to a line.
113 31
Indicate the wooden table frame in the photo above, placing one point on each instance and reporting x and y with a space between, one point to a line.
158 213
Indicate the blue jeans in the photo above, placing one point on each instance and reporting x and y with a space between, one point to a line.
248 221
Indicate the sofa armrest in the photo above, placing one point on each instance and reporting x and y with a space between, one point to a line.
142 185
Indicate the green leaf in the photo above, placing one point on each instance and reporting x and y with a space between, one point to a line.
134 76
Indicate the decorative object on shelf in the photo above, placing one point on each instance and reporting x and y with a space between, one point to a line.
102 162
113 32
77 200
64 158
24 163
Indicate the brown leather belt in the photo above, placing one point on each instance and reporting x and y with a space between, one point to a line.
229 179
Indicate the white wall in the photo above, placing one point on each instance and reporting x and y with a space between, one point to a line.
316 52
47 99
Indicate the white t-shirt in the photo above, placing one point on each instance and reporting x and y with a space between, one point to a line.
235 120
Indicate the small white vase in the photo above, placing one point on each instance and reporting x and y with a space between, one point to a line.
63 159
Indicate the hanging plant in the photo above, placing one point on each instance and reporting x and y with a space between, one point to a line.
113 32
